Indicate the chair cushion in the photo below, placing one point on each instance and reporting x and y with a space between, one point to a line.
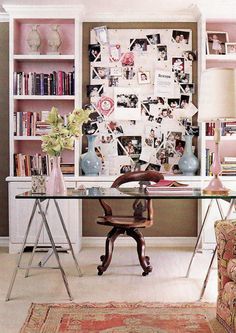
231 269
124 221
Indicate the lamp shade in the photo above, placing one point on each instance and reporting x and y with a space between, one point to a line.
217 97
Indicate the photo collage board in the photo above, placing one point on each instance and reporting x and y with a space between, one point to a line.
141 92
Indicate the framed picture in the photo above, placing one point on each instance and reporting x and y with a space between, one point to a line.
144 77
216 41
230 48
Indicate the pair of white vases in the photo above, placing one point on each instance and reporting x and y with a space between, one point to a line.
54 40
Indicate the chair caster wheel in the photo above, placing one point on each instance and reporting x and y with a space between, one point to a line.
148 270
100 270
102 257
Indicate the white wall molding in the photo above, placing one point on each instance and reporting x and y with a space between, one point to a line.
4 241
4 17
150 241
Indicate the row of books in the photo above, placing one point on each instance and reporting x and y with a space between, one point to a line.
209 161
28 165
227 128
55 83
31 123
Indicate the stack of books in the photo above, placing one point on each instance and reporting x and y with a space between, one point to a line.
169 187
229 166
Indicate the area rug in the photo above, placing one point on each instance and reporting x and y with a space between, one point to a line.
122 318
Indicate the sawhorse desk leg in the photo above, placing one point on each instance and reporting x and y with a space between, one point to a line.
44 223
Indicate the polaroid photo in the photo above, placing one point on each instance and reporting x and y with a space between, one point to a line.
94 52
180 37
154 39
115 128
162 53
138 44
128 73
100 73
114 52
116 71
230 48
129 145
178 64
127 104
215 42
144 77
102 35
187 88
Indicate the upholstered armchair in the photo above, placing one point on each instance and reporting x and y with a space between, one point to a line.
226 256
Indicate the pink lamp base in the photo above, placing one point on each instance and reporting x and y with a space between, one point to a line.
216 187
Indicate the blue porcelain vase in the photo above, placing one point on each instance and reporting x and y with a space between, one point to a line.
91 163
188 163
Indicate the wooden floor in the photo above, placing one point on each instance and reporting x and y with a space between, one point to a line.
122 281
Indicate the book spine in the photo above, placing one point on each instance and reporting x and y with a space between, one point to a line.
60 83
41 84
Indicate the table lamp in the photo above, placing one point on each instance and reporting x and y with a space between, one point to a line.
217 102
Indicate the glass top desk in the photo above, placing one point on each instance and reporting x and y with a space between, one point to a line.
107 193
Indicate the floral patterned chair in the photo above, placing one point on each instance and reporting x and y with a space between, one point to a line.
226 256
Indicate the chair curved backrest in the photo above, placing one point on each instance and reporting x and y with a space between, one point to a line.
137 176
131 177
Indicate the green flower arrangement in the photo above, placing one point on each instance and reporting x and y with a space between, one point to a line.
63 136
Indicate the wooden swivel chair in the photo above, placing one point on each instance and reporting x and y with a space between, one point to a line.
129 224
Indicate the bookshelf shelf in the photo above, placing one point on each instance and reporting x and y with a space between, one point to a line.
223 138
221 58
27 138
44 97
25 57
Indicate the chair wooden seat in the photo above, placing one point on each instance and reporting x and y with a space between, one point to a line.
129 225
124 221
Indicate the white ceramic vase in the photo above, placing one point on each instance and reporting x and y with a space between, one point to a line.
34 40
54 40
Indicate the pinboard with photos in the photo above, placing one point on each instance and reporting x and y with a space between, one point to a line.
141 91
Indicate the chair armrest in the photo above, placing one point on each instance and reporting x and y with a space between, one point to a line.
107 209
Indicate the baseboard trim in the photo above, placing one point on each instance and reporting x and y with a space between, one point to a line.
150 241
4 241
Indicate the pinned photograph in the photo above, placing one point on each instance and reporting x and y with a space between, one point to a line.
190 55
125 168
144 77
113 81
139 44
154 39
101 35
130 145
173 102
180 37
182 77
114 52
105 105
161 52
128 59
230 48
127 104
184 101
178 64
94 52
216 41
94 92
128 73
187 88
100 73
116 71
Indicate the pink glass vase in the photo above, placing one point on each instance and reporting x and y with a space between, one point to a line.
56 184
